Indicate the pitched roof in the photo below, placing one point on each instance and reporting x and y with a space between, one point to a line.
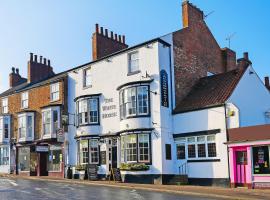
27 86
210 91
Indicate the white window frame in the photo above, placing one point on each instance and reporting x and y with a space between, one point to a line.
139 148
24 100
4 105
26 116
55 91
91 151
53 132
131 60
87 77
4 153
2 128
84 110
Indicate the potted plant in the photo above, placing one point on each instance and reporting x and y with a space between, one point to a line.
134 167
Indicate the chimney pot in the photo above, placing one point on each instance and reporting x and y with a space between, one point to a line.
106 32
120 38
31 57
101 31
40 59
45 61
13 70
17 70
49 63
124 39
111 35
246 55
35 58
266 81
115 37
97 28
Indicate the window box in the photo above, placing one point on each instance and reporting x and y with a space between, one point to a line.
134 167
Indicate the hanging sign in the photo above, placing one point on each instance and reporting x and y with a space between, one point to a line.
42 148
164 88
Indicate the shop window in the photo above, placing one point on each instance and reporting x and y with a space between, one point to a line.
135 148
5 105
180 151
83 152
54 92
261 163
24 159
94 155
88 151
88 111
4 155
134 101
55 158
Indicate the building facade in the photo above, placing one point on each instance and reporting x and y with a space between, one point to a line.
31 112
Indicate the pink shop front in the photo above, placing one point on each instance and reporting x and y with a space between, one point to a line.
249 156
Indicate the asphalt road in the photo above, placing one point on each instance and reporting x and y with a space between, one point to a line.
20 189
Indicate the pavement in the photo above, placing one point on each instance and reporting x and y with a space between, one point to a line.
17 187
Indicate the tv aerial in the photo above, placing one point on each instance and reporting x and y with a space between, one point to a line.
229 38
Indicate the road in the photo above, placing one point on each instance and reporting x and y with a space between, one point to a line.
19 189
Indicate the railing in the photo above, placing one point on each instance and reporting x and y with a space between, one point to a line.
183 169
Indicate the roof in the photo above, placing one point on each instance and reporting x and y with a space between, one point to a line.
210 91
250 133
27 86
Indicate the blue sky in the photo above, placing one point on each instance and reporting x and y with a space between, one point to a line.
61 30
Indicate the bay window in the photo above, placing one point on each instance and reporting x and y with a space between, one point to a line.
134 101
88 111
88 151
50 122
135 148
26 126
4 128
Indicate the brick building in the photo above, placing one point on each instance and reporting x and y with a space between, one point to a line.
32 110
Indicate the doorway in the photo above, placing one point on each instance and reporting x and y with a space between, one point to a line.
43 161
241 163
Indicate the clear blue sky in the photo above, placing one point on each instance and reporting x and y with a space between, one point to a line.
61 30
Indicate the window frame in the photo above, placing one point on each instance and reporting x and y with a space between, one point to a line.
57 91
123 149
3 120
26 116
4 153
89 152
52 133
4 104
130 70
87 114
25 100
123 102
85 76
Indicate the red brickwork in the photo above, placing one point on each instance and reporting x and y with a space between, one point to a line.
15 78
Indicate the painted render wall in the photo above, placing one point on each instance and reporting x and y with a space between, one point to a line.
252 99
208 119
107 75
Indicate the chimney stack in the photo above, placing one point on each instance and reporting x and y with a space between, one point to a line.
103 45
15 78
38 71
244 62
191 15
266 82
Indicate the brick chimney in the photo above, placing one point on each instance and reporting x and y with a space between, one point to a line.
229 59
191 15
15 78
38 70
244 62
266 82
103 44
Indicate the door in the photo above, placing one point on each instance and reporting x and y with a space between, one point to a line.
241 163
114 157
43 161
33 163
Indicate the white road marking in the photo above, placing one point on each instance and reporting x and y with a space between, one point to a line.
13 183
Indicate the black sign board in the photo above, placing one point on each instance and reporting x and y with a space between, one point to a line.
164 88
92 171
103 157
115 175
261 160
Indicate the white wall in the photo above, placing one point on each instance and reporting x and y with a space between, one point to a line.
208 119
251 98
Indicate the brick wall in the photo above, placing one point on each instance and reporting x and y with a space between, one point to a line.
196 52
38 98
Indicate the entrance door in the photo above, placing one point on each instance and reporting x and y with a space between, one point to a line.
241 162
114 157
43 160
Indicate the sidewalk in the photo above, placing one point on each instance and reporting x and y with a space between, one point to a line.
211 192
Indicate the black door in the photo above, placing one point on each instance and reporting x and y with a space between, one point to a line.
43 169
114 157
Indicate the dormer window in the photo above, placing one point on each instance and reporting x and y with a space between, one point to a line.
5 105
4 128
133 62
55 92
26 126
24 101
50 122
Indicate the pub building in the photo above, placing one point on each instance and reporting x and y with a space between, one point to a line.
32 110
249 150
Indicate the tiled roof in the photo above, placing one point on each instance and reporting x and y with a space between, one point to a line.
210 91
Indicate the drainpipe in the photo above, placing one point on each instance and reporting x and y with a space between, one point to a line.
227 138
